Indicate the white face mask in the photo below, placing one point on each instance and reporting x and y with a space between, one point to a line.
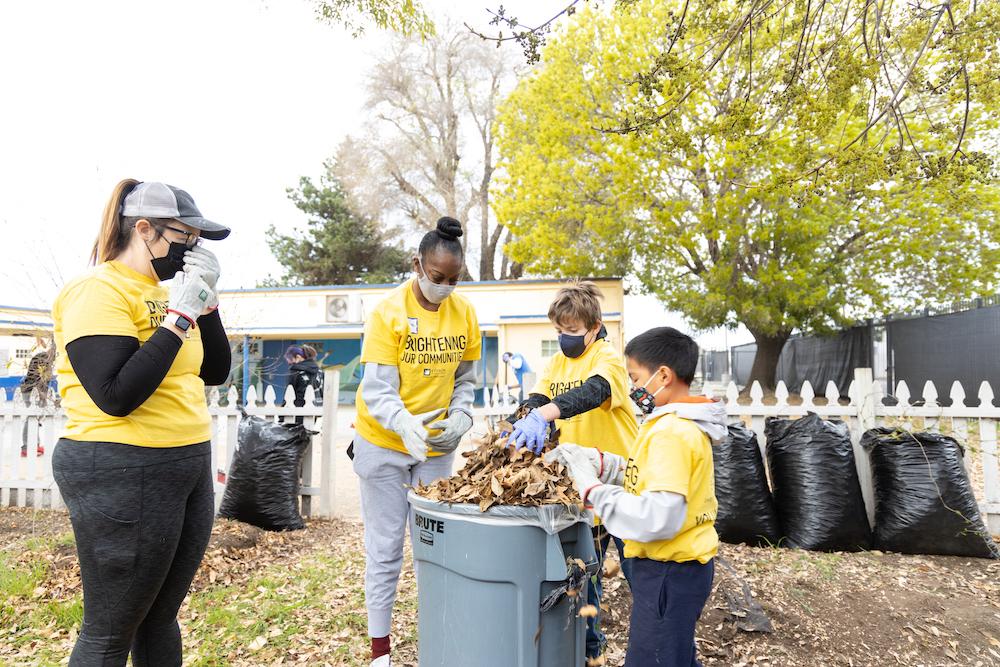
432 291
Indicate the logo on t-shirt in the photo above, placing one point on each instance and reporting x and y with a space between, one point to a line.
414 323
157 312
433 350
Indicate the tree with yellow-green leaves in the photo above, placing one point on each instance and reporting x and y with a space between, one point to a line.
783 165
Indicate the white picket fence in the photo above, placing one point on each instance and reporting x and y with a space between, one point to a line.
27 481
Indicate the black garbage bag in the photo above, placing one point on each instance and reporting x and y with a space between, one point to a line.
262 488
746 509
923 499
816 490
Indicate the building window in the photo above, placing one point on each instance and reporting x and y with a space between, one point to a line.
22 354
549 348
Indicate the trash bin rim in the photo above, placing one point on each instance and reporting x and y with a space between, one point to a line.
550 518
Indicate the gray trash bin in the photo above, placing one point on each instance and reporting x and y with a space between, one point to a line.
481 578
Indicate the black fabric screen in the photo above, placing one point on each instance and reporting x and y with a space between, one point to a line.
819 359
961 346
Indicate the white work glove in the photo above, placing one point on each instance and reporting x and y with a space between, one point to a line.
610 467
413 430
582 463
204 263
189 296
452 429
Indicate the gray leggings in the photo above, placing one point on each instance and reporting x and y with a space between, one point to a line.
142 518
384 475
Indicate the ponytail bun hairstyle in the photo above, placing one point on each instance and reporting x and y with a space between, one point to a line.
444 237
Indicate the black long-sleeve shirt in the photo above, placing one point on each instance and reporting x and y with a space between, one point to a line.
588 396
119 374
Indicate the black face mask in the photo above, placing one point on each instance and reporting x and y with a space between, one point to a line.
167 267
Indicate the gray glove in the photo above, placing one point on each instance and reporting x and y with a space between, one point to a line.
452 429
613 469
203 262
413 430
582 463
189 296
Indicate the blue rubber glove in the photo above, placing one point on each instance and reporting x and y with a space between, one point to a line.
530 432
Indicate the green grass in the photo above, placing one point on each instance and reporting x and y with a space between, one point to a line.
311 608
18 580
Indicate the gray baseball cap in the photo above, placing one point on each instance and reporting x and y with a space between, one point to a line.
159 200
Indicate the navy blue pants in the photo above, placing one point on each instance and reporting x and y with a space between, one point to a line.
595 589
667 599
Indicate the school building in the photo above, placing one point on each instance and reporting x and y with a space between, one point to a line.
512 317
22 331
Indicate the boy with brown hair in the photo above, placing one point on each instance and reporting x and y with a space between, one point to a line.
584 390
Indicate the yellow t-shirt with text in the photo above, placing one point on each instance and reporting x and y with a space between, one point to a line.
673 454
426 346
610 427
114 300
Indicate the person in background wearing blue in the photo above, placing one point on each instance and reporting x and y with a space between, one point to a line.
519 364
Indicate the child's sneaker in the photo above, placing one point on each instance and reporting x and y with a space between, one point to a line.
381 661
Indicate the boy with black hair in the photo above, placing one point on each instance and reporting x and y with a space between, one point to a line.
661 501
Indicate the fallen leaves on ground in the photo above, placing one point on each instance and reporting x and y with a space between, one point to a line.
299 598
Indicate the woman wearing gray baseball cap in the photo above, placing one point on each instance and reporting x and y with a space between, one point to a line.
134 461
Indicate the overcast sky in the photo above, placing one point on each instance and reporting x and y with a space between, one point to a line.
232 100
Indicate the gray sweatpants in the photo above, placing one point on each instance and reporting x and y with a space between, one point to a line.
384 475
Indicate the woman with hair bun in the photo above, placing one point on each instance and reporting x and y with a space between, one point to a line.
420 348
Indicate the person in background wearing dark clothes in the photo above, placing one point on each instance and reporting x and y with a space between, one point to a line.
134 462
303 372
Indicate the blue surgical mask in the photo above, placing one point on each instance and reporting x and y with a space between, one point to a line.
432 291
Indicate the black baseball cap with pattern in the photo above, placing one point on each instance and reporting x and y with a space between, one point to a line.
159 200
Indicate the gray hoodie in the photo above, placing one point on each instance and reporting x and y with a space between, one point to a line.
709 417
655 515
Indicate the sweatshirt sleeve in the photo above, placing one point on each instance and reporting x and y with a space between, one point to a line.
380 392
649 517
465 388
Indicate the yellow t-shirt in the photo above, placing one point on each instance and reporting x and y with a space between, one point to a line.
673 454
610 427
425 346
114 300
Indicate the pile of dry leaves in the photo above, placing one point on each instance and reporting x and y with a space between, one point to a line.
496 474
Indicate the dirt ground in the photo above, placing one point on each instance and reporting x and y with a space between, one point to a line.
297 598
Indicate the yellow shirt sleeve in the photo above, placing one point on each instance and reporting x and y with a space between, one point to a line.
611 367
95 308
669 463
474 346
381 344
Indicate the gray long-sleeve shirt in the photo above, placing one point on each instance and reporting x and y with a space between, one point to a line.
652 515
380 391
